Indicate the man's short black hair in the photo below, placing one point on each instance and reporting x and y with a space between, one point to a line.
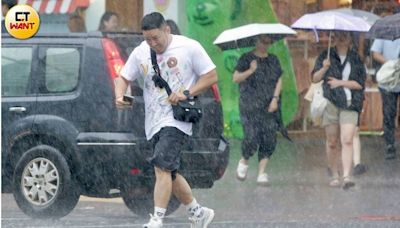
153 21
9 3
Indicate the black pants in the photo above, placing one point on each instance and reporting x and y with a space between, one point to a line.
389 107
259 133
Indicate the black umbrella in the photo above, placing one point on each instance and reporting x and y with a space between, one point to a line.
387 28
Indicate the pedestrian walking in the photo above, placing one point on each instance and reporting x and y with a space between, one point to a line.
173 27
76 24
109 22
358 167
187 68
6 5
383 51
258 74
343 75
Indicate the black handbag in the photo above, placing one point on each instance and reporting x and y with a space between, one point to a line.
189 110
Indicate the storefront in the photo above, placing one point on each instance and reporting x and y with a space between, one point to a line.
54 14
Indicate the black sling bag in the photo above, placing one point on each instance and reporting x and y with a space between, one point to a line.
187 111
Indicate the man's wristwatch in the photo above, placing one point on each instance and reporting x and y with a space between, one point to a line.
187 94
276 97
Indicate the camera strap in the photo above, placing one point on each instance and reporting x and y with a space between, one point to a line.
158 80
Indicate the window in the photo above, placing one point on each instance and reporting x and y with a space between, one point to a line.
61 69
16 65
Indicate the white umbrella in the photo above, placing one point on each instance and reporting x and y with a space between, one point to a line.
244 36
331 21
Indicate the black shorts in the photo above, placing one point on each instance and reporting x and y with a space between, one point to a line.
167 146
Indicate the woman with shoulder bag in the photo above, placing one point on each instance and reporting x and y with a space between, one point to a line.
343 76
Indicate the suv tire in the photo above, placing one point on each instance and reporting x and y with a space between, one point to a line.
43 171
141 201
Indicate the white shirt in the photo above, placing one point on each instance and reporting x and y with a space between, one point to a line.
346 75
181 65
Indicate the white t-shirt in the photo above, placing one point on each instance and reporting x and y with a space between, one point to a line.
181 65
346 75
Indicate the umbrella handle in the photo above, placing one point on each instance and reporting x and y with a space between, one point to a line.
329 45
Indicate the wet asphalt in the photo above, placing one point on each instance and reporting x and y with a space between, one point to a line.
298 195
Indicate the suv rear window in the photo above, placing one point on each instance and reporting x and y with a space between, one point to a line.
61 69
16 63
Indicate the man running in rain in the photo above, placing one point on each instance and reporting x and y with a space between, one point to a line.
187 68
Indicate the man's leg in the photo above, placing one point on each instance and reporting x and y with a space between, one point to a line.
358 167
162 188
200 216
182 190
389 107
167 146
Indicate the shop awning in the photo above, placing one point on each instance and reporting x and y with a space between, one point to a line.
55 6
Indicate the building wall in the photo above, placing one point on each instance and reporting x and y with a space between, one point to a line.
130 13
93 14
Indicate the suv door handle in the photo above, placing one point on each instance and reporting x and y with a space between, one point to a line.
17 109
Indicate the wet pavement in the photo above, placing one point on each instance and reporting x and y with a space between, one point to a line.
298 195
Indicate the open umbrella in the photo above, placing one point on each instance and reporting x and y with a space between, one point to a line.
244 36
370 18
387 28
331 21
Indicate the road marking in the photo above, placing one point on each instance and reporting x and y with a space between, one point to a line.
12 219
103 200
379 218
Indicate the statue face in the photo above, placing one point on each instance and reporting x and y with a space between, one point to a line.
204 12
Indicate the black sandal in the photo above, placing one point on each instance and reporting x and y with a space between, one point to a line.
348 183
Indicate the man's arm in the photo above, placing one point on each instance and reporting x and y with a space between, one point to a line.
121 85
378 57
377 51
205 82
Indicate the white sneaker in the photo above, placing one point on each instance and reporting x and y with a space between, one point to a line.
154 222
262 179
241 171
203 222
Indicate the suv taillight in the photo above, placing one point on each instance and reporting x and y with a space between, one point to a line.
113 58
215 91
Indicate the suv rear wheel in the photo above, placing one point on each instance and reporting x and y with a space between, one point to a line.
140 200
43 186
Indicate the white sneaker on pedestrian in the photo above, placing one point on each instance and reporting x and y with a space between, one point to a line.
154 222
262 179
204 221
241 171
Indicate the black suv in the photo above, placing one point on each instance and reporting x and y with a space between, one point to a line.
62 135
